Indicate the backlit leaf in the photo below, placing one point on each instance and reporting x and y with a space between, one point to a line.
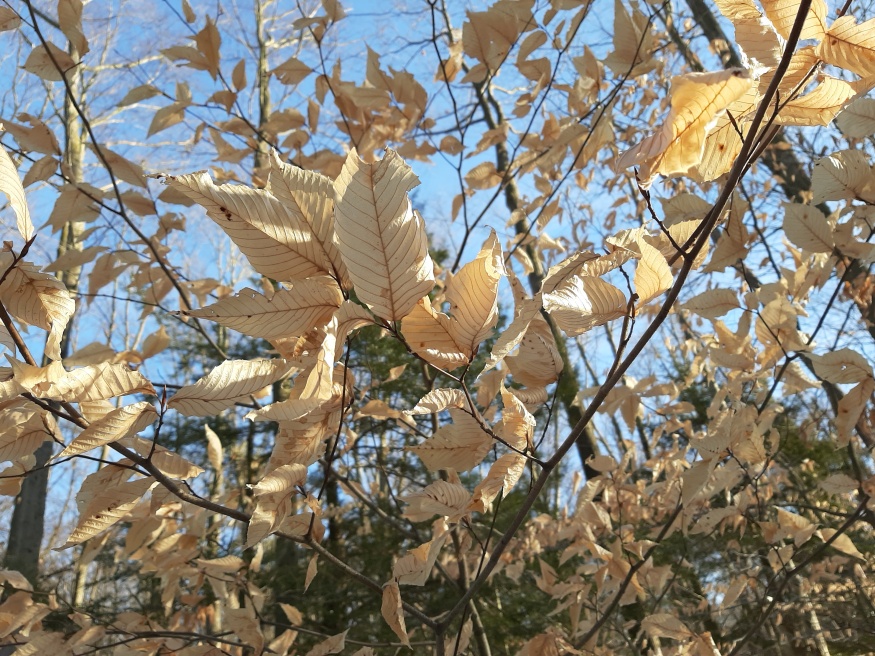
382 240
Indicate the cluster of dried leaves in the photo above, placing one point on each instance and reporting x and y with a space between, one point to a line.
341 250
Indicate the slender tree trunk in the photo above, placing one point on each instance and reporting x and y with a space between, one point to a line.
28 517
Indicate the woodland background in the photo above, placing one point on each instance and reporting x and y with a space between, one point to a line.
632 413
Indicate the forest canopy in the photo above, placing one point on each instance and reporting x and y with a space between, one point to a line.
532 327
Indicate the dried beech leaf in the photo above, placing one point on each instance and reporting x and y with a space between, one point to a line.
842 543
845 175
502 476
431 336
652 275
850 46
461 445
288 313
49 62
23 433
278 242
442 498
807 228
92 383
231 381
275 496
438 400
782 14
842 366
382 240
633 43
334 644
10 184
851 407
583 302
473 297
713 303
116 425
310 195
38 299
697 99
857 121
416 565
393 612
105 507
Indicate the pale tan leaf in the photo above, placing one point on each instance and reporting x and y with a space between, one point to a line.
155 343
275 500
757 37
723 142
839 484
302 441
9 19
292 71
652 275
461 445
36 298
123 168
795 526
333 645
289 313
443 498
857 121
664 625
507 341
429 334
215 453
517 423
488 36
49 64
850 46
713 303
844 175
10 184
393 612
278 243
842 543
23 433
821 105
166 117
438 400
483 176
537 362
851 407
231 381
382 240
842 366
41 170
208 42
74 258
807 228
502 476
135 95
168 463
473 297
312 196
583 302
782 14
696 100
314 386
633 43
416 565
70 20
116 425
107 506
91 383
